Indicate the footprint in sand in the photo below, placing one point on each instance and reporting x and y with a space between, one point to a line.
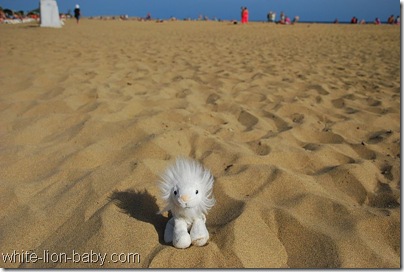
259 148
386 171
383 197
373 102
297 118
281 124
351 97
350 110
338 103
378 136
182 94
312 146
327 137
212 98
363 151
320 89
247 119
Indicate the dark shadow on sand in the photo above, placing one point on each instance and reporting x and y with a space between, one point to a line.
32 26
142 206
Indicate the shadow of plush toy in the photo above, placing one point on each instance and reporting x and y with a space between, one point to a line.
142 206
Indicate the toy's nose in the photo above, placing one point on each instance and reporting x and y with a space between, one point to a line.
184 198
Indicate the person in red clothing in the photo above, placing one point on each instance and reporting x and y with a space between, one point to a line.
244 15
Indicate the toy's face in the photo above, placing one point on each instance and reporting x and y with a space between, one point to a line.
188 196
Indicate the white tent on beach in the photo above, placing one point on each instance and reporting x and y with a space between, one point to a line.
50 14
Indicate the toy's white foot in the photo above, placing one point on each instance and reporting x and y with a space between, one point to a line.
200 241
182 240
181 237
199 233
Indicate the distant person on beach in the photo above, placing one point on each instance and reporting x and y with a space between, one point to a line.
397 21
390 20
244 15
77 13
354 20
282 18
285 20
2 16
377 21
271 17
336 21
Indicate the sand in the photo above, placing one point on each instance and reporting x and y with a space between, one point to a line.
300 126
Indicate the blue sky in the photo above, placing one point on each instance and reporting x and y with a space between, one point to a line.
308 10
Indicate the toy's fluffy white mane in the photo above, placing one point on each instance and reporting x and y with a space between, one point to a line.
183 173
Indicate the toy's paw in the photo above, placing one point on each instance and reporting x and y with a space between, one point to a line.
200 241
199 233
182 240
181 237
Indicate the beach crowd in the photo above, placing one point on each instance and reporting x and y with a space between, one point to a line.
391 20
11 17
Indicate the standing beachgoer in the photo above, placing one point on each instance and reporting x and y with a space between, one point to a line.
242 15
77 13
273 17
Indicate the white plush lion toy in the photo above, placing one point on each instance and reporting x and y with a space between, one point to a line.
186 188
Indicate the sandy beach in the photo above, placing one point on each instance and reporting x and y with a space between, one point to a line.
299 125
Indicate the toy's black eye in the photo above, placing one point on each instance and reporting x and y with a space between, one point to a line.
175 192
196 192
